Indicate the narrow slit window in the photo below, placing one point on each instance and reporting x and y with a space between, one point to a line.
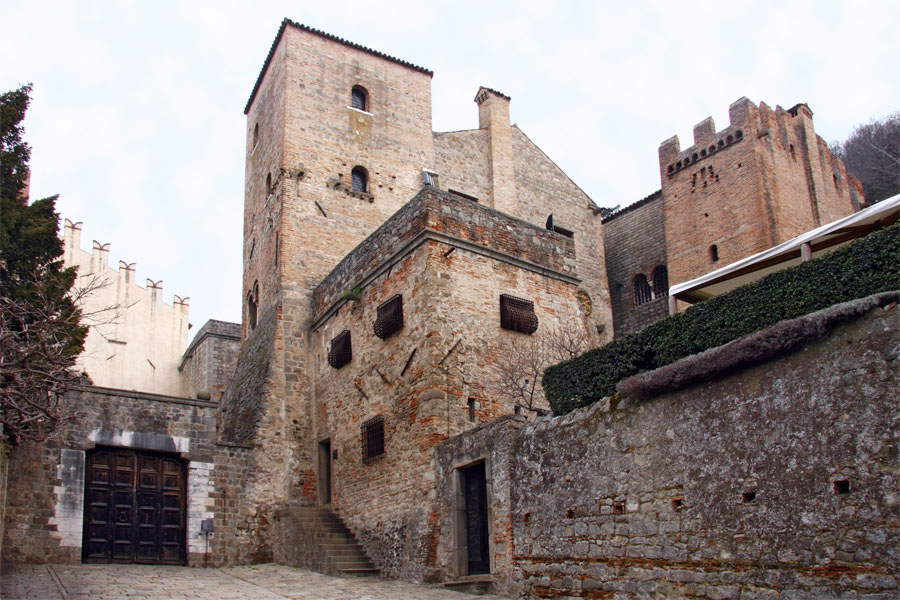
390 317
360 180
252 304
714 253
642 292
341 350
372 433
517 314
359 98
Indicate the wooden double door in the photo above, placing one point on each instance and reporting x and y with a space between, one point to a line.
134 507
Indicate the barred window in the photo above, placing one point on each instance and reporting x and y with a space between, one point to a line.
372 434
390 317
517 314
360 179
642 292
660 282
359 98
341 351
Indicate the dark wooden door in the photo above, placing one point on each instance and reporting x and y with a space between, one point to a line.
325 471
134 507
475 493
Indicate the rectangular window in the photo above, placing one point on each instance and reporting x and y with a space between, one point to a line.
517 314
372 433
390 317
341 351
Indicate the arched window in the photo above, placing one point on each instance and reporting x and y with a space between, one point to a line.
642 291
269 188
359 98
255 135
660 282
360 179
252 304
714 253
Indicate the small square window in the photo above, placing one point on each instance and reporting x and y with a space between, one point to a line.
341 351
390 317
517 314
372 433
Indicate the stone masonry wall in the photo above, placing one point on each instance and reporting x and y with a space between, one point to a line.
635 241
461 159
775 482
208 363
422 379
45 508
493 443
450 215
544 189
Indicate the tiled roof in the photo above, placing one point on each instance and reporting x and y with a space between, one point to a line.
327 36
631 207
493 91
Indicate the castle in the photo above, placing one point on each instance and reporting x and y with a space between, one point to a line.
387 272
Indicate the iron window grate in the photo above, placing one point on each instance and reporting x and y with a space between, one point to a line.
390 317
517 314
341 351
372 433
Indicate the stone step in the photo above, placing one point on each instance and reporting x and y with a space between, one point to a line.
373 572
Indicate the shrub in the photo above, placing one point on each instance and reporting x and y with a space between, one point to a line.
867 266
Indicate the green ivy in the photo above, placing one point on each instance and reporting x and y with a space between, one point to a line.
867 266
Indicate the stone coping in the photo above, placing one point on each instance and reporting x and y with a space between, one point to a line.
136 395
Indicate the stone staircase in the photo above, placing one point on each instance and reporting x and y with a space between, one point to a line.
315 538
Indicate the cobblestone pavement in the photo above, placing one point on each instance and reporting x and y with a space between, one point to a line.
257 582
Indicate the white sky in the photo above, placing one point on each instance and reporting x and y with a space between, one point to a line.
137 113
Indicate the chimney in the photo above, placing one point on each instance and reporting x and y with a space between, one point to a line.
493 115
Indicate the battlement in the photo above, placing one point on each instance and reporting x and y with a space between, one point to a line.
707 141
445 217
745 118
96 263
135 339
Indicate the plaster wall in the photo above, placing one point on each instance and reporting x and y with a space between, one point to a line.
135 340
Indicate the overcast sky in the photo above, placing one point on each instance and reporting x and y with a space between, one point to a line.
137 113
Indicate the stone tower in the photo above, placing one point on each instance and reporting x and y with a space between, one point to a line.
340 151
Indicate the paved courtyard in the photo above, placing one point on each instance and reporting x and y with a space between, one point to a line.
257 582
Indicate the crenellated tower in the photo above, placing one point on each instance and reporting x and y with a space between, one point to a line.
764 179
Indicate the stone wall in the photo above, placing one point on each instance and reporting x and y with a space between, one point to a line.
635 242
209 362
461 159
45 508
447 216
432 379
775 482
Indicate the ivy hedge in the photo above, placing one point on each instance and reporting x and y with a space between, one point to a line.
867 266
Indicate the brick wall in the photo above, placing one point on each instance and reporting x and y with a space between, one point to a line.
762 180
635 242
778 481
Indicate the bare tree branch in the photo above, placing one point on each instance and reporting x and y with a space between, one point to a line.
518 374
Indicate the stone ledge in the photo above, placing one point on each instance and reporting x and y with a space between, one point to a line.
770 343
135 395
